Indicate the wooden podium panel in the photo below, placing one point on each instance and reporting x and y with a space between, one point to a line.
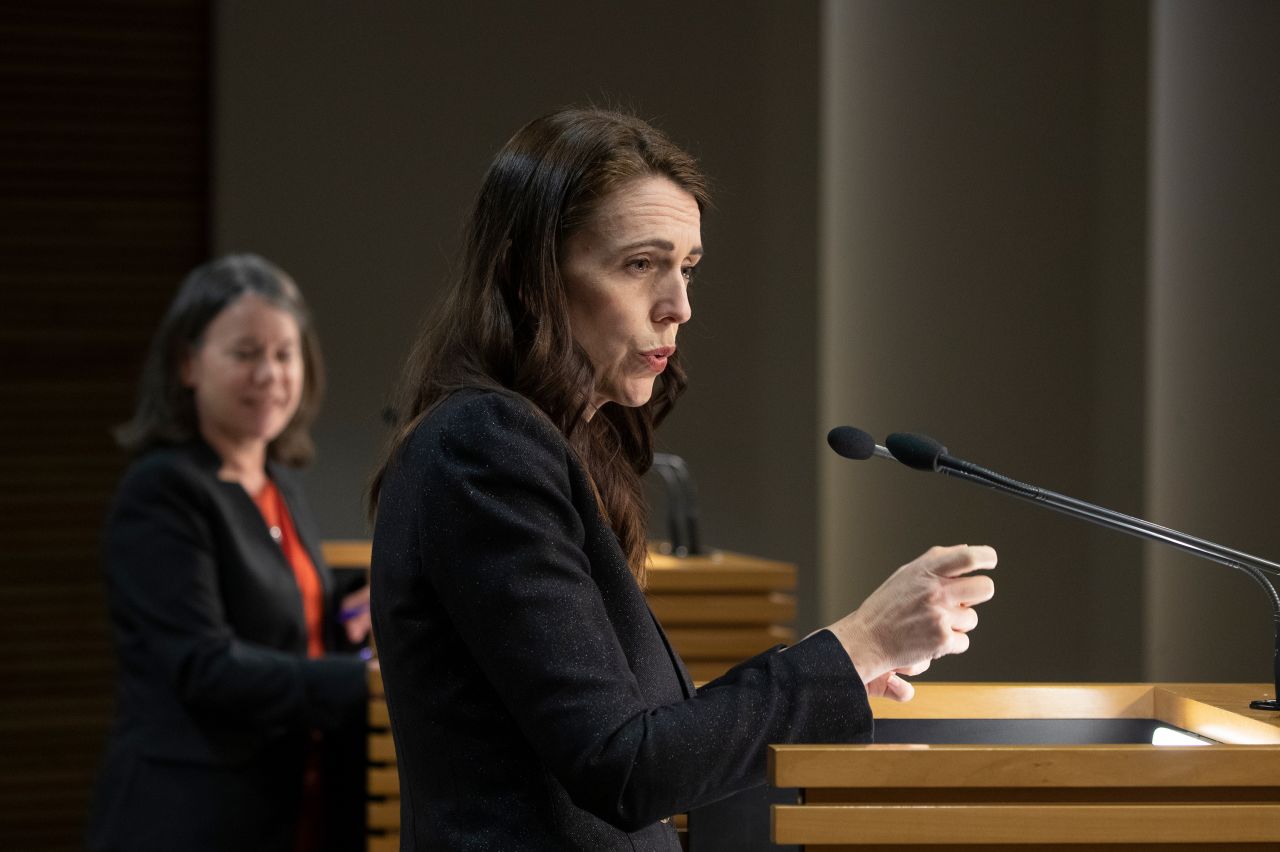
717 610
721 608
1077 797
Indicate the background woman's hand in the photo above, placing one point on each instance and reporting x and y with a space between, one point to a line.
354 615
923 611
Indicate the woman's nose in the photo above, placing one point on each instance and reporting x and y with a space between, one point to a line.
674 306
264 371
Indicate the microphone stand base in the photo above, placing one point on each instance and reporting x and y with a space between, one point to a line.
1265 704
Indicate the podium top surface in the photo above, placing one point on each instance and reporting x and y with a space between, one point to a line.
1246 749
1218 711
719 570
715 571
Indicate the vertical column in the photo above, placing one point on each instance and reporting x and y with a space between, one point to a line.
1214 364
966 291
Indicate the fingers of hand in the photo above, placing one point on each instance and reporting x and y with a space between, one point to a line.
360 597
898 689
877 685
967 591
357 629
957 643
958 560
964 619
960 620
889 685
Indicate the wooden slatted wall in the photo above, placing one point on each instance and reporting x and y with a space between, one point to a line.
104 172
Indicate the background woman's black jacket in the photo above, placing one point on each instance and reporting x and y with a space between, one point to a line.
216 698
535 702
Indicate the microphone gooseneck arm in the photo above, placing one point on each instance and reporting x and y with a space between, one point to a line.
924 453
1254 566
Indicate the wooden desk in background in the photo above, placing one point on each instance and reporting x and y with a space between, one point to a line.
717 610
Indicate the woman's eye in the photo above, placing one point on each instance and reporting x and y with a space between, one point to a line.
641 264
284 356
688 272
244 354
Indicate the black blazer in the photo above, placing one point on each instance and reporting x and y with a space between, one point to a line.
216 699
535 701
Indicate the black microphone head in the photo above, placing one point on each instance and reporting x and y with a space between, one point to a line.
918 451
852 443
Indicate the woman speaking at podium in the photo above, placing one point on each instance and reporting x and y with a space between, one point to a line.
534 700
236 728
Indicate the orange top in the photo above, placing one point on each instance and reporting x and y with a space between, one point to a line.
276 514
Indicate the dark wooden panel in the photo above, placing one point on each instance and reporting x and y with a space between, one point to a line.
104 174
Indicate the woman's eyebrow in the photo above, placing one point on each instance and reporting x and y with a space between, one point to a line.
664 245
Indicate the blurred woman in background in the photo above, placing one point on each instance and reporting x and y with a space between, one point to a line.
237 726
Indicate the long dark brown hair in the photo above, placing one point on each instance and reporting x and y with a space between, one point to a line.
505 322
166 409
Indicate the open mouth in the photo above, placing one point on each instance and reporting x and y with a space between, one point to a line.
657 358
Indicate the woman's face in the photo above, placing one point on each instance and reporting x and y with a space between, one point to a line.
626 274
246 373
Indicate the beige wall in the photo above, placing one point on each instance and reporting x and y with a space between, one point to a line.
931 216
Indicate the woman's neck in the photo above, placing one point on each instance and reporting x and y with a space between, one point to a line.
244 462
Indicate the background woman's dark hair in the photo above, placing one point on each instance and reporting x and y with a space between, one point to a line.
166 412
505 322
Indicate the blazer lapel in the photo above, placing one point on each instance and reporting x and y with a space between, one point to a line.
293 500
239 501
253 547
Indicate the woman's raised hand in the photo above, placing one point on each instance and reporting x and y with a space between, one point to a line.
923 611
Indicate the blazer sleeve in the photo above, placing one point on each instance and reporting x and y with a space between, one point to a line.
503 541
163 579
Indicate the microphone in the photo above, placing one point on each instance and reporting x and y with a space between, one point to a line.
855 444
916 451
682 504
924 453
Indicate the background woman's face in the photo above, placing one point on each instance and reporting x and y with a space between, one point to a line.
626 274
246 373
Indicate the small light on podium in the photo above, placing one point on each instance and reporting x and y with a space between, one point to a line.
1169 737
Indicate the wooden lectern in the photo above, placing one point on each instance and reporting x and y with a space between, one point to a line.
1042 766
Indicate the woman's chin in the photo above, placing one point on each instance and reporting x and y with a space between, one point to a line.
263 432
631 395
638 395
